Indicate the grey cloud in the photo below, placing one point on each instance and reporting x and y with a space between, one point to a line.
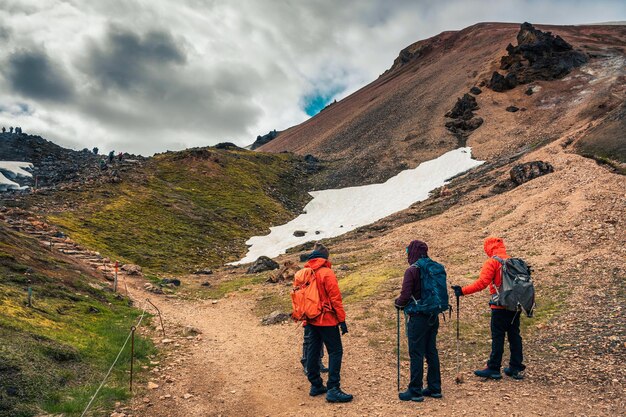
33 74
126 59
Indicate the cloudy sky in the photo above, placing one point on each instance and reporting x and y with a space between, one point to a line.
146 76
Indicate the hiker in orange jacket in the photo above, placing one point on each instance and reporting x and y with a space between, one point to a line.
325 329
503 322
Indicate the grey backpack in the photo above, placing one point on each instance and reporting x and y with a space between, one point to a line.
517 289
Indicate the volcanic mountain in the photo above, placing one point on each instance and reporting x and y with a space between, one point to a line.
560 81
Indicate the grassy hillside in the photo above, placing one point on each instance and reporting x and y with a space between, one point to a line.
54 354
185 210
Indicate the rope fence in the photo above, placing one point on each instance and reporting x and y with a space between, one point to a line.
130 334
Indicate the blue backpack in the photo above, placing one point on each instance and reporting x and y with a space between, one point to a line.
434 289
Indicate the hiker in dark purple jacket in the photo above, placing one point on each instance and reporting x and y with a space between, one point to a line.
421 330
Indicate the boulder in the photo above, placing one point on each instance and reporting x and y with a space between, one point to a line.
463 108
204 271
274 318
170 281
512 109
131 269
500 83
299 233
285 273
475 90
529 91
263 263
525 172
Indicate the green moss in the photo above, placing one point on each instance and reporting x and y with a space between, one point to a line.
222 288
187 211
54 354
360 285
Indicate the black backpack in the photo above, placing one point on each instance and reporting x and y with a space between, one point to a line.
517 290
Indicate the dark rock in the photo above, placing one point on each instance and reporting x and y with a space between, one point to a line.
317 232
274 318
206 284
475 90
525 172
540 56
173 281
500 83
227 146
529 91
299 233
512 109
262 140
204 271
310 159
262 264
93 310
463 108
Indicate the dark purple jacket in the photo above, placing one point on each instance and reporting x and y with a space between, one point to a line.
411 285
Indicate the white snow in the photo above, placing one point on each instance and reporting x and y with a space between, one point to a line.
10 170
335 212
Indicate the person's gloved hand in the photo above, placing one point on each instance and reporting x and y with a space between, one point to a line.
343 327
457 290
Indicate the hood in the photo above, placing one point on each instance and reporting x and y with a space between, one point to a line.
317 263
416 250
494 246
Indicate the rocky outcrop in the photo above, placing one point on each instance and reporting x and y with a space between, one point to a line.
525 172
131 269
537 56
262 140
263 263
464 122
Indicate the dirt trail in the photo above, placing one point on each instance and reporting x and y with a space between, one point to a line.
240 368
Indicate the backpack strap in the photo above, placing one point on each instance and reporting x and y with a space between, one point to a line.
493 283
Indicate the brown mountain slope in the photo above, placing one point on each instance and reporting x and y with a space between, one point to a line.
398 120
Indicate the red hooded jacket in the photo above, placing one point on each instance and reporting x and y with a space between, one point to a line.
491 272
330 295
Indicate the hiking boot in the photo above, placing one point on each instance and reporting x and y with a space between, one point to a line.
323 369
336 395
488 373
317 390
409 395
513 374
433 394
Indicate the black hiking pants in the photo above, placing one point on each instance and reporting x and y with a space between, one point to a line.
504 322
305 347
421 330
328 336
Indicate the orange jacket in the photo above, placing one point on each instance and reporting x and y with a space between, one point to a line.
330 295
491 272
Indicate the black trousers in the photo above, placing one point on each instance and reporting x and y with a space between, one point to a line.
504 322
305 346
328 336
422 331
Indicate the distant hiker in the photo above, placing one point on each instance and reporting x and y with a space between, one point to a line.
95 150
423 296
102 164
324 318
503 321
111 157
120 156
18 130
11 129
4 129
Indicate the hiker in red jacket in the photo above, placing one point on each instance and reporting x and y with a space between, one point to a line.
325 329
502 321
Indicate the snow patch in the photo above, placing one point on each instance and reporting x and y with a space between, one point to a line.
335 212
10 170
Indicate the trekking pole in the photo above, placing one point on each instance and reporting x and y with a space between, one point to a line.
459 376
398 346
